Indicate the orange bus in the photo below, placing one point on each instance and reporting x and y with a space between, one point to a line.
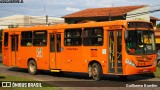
119 47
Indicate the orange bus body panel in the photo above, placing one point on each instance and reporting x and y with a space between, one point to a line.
71 58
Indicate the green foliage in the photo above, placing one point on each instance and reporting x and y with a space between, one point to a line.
12 26
0 55
1 30
157 73
158 25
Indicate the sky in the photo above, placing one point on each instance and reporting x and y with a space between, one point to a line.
59 8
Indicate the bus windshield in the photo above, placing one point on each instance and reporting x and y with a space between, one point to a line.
139 42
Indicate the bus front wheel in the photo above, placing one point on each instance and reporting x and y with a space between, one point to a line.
96 71
32 67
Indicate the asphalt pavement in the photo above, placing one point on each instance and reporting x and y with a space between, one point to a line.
81 80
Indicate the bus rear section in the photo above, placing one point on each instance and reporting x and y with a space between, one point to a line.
6 50
10 49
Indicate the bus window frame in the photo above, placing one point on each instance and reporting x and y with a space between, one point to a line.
102 28
28 43
73 37
41 39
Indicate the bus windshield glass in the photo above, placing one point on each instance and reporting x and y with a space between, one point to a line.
140 42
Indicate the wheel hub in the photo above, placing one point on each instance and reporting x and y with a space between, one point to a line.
32 67
94 72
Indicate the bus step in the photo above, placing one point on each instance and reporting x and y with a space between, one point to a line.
55 70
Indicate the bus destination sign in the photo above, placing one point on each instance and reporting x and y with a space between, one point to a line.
140 25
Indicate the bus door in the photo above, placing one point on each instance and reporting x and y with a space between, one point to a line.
55 49
14 48
115 54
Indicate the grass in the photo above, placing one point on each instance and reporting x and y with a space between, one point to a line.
13 78
1 63
0 54
157 73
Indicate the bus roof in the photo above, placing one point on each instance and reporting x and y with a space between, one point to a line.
79 25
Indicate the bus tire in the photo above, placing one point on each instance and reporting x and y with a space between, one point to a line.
96 71
32 67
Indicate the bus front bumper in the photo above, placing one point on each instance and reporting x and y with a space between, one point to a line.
131 70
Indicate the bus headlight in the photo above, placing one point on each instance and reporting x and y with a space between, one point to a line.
129 62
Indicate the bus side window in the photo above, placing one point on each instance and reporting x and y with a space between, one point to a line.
93 36
73 37
40 38
26 38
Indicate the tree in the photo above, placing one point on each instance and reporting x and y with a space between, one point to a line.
1 34
12 26
158 25
1 39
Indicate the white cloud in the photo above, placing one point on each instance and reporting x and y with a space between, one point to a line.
71 9
63 7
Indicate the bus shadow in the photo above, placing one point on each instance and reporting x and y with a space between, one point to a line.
84 76
130 78
15 69
53 74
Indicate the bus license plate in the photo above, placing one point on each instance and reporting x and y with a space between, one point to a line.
145 70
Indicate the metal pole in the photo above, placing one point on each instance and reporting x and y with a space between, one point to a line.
46 19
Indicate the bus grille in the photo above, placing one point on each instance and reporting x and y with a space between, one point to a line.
143 62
